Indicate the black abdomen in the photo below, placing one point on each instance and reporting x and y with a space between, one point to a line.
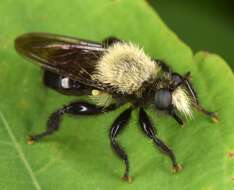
64 84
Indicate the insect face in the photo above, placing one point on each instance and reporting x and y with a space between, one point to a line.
173 93
163 97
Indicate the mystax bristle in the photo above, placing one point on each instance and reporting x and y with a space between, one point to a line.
182 101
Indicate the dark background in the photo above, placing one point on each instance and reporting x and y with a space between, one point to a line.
203 25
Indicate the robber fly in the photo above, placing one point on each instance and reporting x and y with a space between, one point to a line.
111 73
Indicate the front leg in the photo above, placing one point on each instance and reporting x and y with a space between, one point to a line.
213 115
148 129
75 108
118 124
172 113
195 103
184 80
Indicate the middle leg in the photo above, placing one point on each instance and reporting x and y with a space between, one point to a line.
118 124
148 129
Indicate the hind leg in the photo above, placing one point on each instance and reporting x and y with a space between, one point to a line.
75 108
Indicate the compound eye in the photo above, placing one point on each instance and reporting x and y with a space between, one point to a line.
162 99
176 78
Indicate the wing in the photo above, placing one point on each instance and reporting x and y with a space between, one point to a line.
66 56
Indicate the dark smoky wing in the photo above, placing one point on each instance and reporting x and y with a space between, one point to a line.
67 56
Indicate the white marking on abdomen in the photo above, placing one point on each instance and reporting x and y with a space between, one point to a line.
65 83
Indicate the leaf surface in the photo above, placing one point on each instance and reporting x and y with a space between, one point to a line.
79 155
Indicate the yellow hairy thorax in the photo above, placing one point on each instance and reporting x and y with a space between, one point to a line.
125 67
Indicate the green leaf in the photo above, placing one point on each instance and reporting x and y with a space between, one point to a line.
79 155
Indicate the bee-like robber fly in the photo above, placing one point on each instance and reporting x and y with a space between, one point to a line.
111 73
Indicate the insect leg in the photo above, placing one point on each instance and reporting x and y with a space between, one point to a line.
196 105
75 108
118 124
148 129
175 116
212 115
163 65
110 40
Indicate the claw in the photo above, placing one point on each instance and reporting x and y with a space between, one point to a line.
30 140
215 117
127 178
177 168
183 126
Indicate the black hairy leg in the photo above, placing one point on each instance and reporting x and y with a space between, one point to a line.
196 104
75 108
110 40
149 131
172 113
116 127
185 81
212 115
163 65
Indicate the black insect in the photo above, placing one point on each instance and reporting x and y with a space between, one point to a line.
112 73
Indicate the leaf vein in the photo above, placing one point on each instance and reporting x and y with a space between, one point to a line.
20 152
